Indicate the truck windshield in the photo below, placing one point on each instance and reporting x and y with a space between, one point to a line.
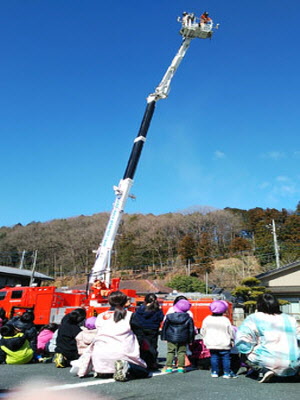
2 295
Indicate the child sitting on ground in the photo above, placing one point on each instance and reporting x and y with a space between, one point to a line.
87 335
24 323
66 346
14 346
178 330
43 339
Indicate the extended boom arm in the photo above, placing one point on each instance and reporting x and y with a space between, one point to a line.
101 267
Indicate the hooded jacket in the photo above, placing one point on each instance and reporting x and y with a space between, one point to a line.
147 319
65 341
15 349
178 328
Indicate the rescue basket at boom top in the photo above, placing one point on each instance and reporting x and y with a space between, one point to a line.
191 30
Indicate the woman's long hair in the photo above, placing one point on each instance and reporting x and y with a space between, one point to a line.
117 300
76 316
268 304
151 302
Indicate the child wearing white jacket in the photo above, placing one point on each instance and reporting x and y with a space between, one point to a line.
218 335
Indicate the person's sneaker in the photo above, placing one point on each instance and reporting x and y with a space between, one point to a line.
121 369
233 375
214 375
242 370
266 376
46 360
167 370
59 360
226 376
181 370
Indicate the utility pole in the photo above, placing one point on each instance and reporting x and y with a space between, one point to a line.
276 247
33 267
22 259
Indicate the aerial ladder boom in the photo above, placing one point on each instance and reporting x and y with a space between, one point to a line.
102 269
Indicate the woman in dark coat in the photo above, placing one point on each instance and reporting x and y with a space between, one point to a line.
145 323
66 345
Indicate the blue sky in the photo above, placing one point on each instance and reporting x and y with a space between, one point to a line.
74 80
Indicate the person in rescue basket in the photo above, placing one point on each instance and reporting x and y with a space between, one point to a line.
218 336
116 348
14 346
145 323
178 330
66 346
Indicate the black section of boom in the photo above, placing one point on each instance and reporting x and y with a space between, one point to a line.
138 145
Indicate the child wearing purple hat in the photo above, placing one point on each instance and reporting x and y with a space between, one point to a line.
218 335
87 335
178 330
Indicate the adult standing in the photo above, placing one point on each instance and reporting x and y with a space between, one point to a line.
270 340
145 323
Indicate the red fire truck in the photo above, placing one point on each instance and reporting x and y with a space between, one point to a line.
50 304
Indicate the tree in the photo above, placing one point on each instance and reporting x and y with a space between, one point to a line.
248 292
239 244
187 249
184 283
204 253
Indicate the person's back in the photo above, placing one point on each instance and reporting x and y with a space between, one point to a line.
87 334
14 346
113 338
178 330
66 346
25 324
218 334
268 340
44 337
277 346
116 348
145 323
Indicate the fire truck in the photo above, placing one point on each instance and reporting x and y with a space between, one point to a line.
50 304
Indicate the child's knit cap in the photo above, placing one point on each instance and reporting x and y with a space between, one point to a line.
218 307
90 323
182 306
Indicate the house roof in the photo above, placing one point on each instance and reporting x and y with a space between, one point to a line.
280 271
286 290
144 286
23 272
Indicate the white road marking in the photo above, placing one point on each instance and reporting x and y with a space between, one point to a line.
92 383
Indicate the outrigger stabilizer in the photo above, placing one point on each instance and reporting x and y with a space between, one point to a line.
102 268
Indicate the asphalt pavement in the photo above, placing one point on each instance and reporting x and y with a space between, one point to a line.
57 383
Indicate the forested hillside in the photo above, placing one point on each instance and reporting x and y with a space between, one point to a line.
196 242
